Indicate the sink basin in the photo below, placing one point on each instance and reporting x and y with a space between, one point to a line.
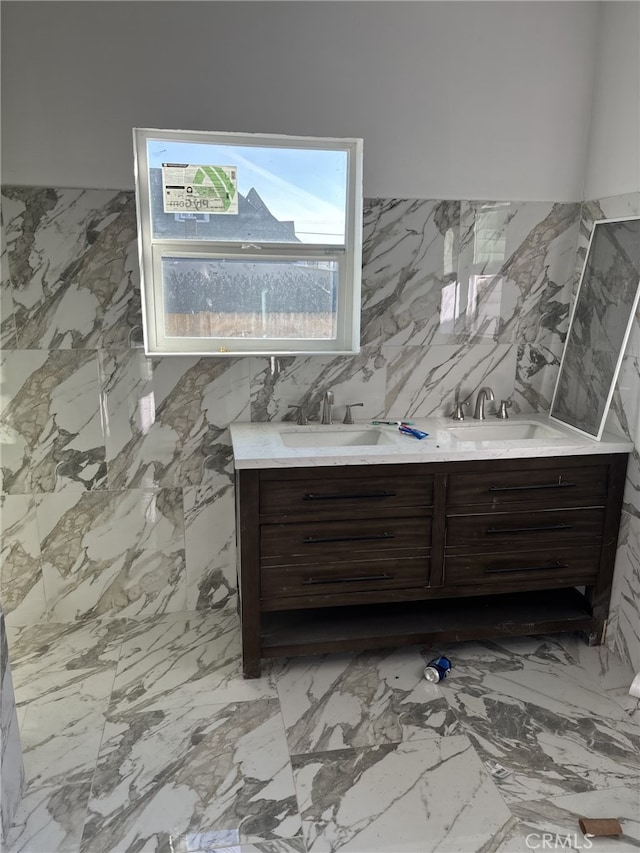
333 437
504 432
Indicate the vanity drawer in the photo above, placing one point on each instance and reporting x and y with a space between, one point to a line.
560 486
344 495
338 578
553 566
303 543
499 530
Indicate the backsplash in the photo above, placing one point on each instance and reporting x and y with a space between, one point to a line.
117 472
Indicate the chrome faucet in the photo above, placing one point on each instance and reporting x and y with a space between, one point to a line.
484 394
327 404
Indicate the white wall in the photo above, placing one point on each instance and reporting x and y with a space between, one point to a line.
453 99
613 164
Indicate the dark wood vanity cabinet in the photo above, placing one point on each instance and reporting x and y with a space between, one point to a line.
367 556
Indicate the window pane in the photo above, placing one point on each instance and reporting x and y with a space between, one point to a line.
247 193
221 298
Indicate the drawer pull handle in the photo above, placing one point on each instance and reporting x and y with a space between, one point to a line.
494 530
561 484
381 577
555 565
365 537
349 496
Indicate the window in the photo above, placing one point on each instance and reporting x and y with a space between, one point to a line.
249 244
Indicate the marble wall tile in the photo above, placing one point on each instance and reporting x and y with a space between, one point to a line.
440 798
8 334
167 419
535 380
73 263
210 542
408 265
624 419
423 381
304 380
11 762
221 769
515 269
623 632
50 421
20 566
116 553
451 272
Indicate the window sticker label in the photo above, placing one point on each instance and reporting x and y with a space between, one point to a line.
199 189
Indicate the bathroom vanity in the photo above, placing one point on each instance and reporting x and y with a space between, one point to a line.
349 546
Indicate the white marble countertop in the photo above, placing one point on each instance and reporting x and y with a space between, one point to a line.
267 445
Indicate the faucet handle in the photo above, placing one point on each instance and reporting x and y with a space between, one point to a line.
348 417
458 414
302 420
502 413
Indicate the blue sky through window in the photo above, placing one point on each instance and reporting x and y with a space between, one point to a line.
307 186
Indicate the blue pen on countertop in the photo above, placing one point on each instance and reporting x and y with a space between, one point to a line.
416 433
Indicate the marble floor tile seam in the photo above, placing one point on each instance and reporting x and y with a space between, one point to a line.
605 789
31 786
379 745
52 670
14 843
104 702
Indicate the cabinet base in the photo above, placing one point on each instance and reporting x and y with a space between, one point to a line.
335 629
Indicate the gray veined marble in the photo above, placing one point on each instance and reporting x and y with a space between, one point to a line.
218 769
623 633
8 336
624 419
50 819
22 586
72 258
184 657
70 649
558 818
11 763
545 720
50 421
180 657
429 795
63 725
167 419
303 381
535 380
600 321
517 263
210 542
408 261
112 553
423 381
338 701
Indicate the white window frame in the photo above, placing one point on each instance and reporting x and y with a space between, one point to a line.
153 250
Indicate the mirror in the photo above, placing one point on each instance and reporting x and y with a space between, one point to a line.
601 321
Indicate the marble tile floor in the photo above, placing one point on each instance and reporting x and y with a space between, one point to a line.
140 735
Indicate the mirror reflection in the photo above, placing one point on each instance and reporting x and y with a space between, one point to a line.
603 313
